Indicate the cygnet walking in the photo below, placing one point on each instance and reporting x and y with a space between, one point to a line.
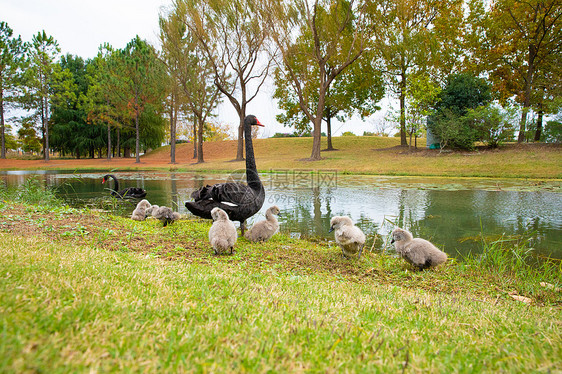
348 236
263 230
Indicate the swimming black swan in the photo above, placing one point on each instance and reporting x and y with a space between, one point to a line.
239 201
129 192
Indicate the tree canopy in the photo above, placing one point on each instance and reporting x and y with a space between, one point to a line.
327 59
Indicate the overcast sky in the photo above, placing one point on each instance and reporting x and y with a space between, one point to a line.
81 26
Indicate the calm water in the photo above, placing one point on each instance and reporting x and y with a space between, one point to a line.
451 213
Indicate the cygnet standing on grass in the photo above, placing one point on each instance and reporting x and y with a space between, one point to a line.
151 210
139 214
222 234
348 236
166 215
263 230
418 252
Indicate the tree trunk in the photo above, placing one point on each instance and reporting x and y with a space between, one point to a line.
2 125
173 116
410 145
539 125
240 149
403 141
329 132
137 140
118 143
200 142
46 125
316 138
527 100
108 142
195 138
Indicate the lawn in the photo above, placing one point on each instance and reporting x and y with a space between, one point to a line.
89 291
354 155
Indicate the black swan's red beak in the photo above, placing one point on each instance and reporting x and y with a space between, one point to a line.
259 123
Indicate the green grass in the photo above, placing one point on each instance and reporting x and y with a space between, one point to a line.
88 291
69 309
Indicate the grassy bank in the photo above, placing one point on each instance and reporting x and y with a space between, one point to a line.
82 290
354 155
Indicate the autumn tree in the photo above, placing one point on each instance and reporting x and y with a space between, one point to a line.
338 35
356 91
11 64
514 40
233 40
190 68
414 36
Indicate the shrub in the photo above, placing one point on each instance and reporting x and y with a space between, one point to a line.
552 132
491 125
453 131
462 93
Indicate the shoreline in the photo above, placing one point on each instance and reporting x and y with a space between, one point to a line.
355 156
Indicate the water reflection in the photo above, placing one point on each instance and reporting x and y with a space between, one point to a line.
453 216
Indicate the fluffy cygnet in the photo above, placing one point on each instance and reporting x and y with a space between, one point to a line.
222 234
263 230
418 252
348 236
139 214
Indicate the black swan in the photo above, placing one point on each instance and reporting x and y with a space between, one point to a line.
129 192
240 201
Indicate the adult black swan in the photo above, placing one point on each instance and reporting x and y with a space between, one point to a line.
126 193
240 201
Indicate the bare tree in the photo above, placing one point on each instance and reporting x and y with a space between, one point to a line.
234 41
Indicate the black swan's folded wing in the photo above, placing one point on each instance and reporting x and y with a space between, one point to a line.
203 193
232 193
132 192
238 200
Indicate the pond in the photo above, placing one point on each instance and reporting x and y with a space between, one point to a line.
453 213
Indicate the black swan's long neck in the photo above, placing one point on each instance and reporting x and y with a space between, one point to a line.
115 184
251 171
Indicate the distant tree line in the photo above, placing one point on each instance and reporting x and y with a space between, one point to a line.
462 69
